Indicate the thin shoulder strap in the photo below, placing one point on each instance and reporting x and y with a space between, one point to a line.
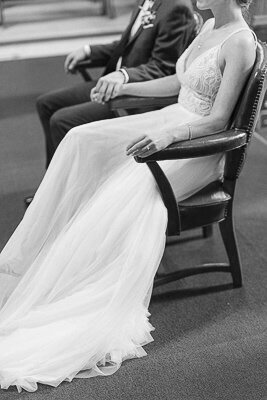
239 30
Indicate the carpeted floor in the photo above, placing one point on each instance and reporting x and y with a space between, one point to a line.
210 340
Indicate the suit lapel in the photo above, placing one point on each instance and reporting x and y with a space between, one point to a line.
122 45
136 12
155 6
127 33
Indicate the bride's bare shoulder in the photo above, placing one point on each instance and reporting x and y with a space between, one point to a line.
240 49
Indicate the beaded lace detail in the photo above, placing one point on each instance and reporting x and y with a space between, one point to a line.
201 80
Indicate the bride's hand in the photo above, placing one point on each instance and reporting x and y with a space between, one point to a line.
148 144
102 97
117 90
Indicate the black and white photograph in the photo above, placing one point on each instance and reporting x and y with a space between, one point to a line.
133 200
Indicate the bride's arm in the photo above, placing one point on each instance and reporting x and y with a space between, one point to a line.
237 57
162 87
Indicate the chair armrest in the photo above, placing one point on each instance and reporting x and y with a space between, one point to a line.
205 146
87 64
133 102
83 66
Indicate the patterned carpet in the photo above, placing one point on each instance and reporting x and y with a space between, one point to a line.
210 340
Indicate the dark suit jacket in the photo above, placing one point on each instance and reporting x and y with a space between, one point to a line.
151 53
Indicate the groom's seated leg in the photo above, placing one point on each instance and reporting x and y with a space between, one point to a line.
63 109
69 117
66 118
53 101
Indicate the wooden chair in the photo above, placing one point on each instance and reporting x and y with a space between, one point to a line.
258 22
214 203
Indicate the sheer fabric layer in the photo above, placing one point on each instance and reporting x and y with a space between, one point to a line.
76 275
79 266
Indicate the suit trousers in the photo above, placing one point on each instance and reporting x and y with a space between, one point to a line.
63 109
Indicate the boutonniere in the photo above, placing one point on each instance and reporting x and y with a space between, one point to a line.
148 17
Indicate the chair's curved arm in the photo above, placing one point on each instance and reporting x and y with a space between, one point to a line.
134 102
83 66
89 64
205 146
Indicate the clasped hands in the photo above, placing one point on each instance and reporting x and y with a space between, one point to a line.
110 86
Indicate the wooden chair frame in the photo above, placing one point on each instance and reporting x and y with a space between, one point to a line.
234 142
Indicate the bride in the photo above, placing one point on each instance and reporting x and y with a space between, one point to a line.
77 272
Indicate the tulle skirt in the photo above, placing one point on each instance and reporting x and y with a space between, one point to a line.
76 275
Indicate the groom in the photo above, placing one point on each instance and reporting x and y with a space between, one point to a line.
158 32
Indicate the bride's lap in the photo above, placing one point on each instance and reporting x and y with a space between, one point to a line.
106 141
124 128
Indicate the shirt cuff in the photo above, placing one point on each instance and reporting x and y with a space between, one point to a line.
125 73
87 50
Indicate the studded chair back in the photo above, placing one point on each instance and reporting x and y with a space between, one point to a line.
214 203
247 111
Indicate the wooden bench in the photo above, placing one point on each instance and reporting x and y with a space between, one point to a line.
108 8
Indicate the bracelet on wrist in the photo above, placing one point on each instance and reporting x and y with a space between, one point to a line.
189 132
125 75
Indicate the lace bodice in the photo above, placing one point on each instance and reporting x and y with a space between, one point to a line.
200 81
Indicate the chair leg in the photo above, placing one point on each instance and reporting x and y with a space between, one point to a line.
207 231
229 240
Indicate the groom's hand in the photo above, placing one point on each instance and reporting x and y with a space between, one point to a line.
73 58
109 86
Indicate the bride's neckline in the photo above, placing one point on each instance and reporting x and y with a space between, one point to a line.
187 67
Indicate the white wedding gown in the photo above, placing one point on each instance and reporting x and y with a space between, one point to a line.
76 274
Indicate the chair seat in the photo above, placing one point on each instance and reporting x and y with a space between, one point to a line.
206 207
